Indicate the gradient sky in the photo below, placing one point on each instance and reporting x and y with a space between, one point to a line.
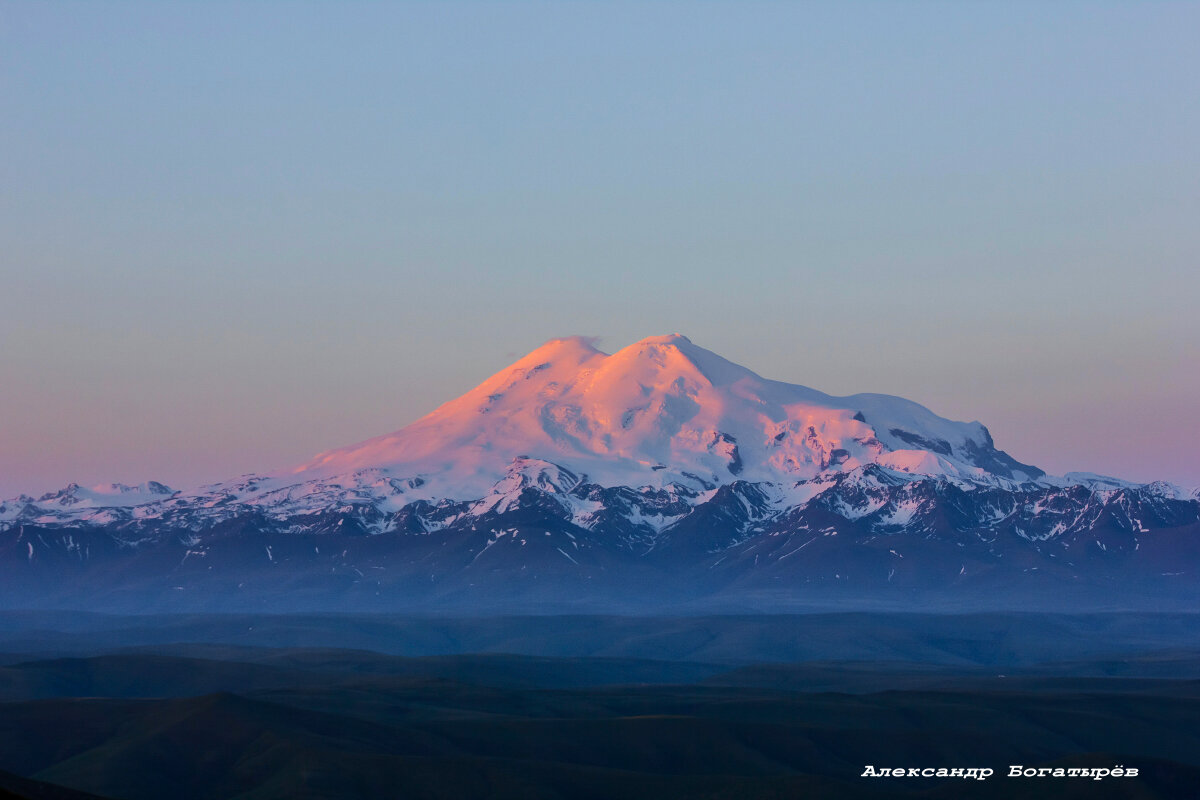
233 235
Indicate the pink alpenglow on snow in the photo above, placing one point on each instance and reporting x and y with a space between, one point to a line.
663 410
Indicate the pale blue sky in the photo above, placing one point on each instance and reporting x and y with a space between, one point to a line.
232 235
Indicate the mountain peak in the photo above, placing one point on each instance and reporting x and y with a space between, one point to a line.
563 347
664 410
671 338
676 353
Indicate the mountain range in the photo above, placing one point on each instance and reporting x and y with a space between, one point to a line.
660 475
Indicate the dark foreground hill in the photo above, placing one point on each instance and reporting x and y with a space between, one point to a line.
657 708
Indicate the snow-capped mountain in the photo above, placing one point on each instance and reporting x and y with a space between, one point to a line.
662 468
664 411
